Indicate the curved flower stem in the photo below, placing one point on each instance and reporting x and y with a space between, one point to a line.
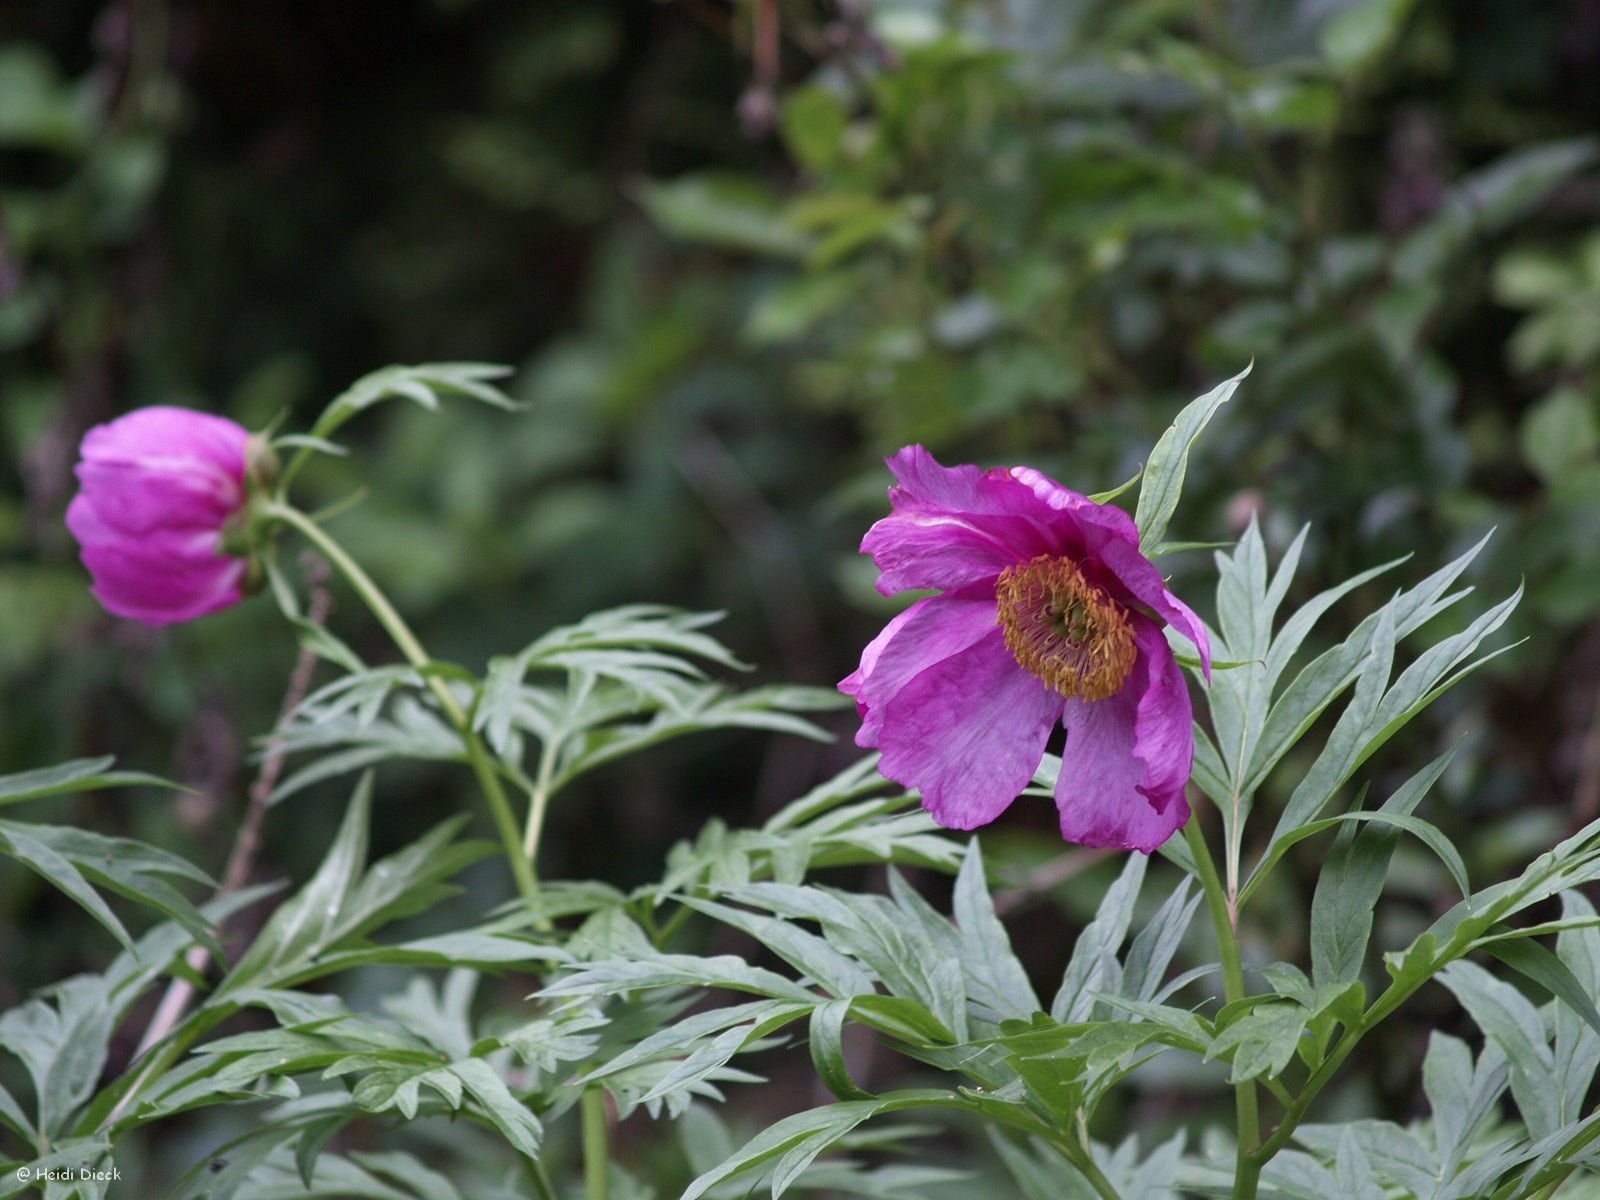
596 1151
394 624
1247 1169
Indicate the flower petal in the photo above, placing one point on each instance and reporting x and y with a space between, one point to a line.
161 593
1108 518
929 631
184 546
165 432
969 732
1139 576
953 526
1107 534
1127 758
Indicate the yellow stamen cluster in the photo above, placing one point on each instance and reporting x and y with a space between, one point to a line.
1064 629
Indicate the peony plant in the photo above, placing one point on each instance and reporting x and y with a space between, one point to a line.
639 1017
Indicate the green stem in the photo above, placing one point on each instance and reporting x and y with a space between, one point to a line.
394 624
538 800
542 1186
596 1151
1247 1115
1086 1167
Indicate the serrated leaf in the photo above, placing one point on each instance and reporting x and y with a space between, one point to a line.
1263 1041
1507 1018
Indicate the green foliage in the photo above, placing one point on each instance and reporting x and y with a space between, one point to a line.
1017 232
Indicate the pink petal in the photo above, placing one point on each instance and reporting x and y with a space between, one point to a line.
1139 576
160 593
969 732
138 497
954 526
1107 534
1127 757
191 545
928 632
1110 520
164 432
936 551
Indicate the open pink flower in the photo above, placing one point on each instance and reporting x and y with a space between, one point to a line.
1046 612
155 489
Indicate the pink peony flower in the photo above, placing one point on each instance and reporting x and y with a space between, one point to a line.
156 488
1046 612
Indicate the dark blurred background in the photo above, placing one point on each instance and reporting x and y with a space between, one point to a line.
736 252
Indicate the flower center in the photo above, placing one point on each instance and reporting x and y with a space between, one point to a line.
1064 629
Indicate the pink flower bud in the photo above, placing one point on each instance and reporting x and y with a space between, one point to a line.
156 488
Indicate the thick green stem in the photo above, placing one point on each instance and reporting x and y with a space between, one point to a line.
394 624
596 1147
1247 1115
1102 1186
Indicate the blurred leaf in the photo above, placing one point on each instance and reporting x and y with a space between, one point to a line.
1359 33
80 775
724 210
1559 432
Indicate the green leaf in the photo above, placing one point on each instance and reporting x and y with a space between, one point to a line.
827 1050
1529 958
1327 676
19 843
1352 879
1461 1094
1359 34
424 385
1155 945
1558 433
798 1139
1353 1171
1576 1048
1093 966
1108 497
724 210
996 981
79 775
1262 1041
1342 752
1486 200
1163 475
837 974
510 1116
312 636
1507 1017
63 1041
305 923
